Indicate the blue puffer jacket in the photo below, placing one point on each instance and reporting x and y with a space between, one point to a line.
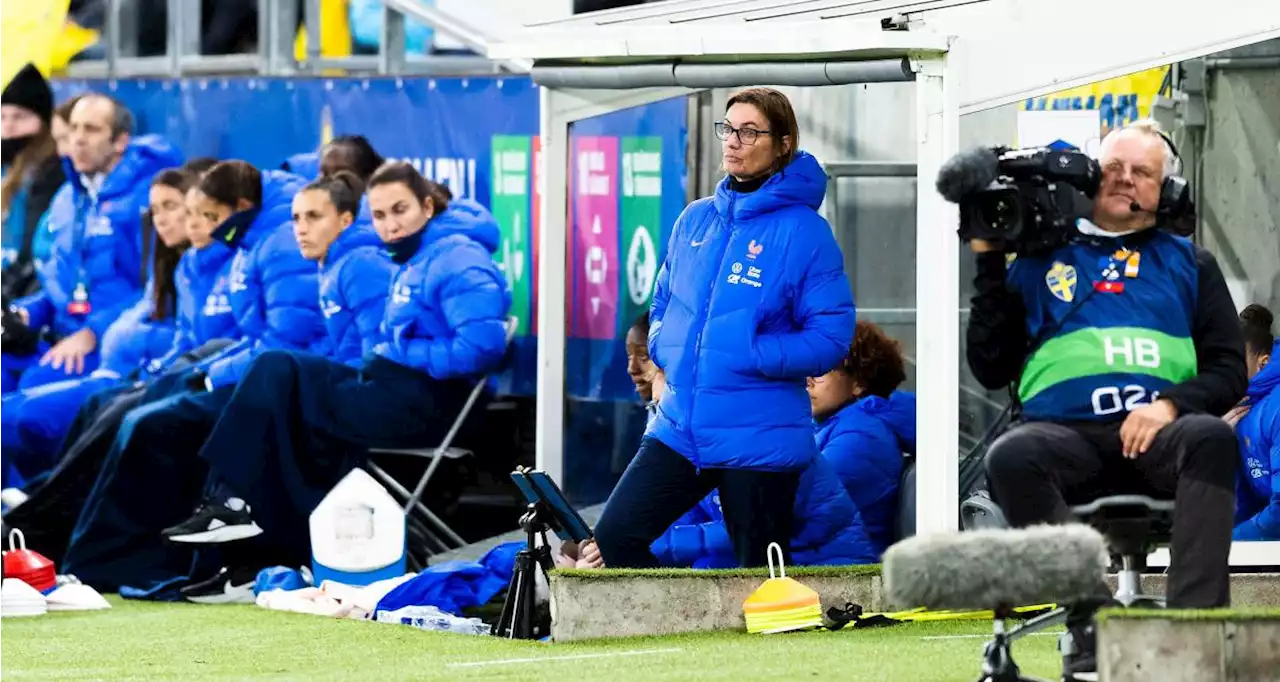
1258 495
901 417
449 302
861 444
203 281
306 164
97 241
136 340
826 528
274 291
354 280
751 300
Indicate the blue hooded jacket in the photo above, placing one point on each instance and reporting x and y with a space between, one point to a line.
751 300
306 164
135 339
449 301
1258 433
826 528
97 241
901 417
862 446
274 290
203 281
354 280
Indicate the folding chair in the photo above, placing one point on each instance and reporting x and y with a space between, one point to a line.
443 451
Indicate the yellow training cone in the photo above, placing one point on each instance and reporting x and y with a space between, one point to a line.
781 604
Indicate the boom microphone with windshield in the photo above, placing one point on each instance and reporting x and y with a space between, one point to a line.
996 568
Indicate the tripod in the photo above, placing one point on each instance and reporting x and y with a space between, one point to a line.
997 657
518 610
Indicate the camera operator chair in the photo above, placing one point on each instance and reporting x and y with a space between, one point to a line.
413 499
1134 525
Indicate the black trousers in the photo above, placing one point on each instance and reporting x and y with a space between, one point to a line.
297 423
660 485
1037 470
49 515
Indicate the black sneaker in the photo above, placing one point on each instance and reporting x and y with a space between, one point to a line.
215 523
226 587
1079 647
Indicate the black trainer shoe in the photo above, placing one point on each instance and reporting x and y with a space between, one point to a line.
226 587
1079 647
215 523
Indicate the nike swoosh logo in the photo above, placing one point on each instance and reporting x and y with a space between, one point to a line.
697 243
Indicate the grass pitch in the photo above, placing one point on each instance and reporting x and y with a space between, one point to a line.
147 641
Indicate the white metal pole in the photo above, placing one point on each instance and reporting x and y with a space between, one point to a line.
937 304
552 322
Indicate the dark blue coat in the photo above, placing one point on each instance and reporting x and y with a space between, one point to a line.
751 300
826 528
449 302
274 291
355 278
97 241
862 446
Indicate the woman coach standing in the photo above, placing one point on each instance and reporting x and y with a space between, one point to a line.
751 300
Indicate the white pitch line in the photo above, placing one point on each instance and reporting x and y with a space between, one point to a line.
571 657
1034 634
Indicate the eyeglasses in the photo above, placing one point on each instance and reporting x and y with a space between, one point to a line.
746 136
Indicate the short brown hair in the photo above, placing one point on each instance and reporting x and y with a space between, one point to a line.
777 109
875 360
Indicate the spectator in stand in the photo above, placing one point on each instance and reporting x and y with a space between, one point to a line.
857 430
740 317
96 270
1257 424
32 175
274 294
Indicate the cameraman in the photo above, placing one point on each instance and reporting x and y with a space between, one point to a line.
1125 348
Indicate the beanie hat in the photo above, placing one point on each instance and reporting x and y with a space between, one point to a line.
30 90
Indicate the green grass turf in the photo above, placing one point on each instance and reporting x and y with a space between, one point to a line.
796 572
1216 615
191 642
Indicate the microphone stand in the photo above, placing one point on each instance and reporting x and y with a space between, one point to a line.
997 656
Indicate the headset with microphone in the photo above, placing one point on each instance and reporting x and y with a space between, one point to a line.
1175 191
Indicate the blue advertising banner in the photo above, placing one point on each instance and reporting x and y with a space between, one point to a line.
480 137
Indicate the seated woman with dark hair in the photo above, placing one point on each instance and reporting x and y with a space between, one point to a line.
36 420
1257 423
274 294
298 422
858 426
826 531
355 275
